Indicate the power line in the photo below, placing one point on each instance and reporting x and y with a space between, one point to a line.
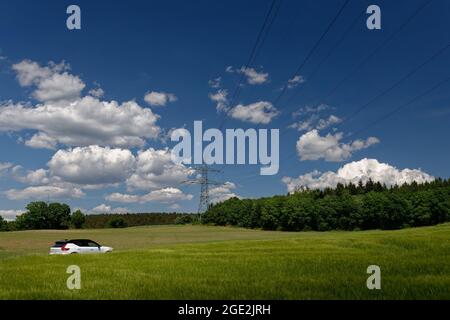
310 53
204 170
386 91
313 49
396 84
269 27
389 114
367 58
378 48
401 80
253 57
262 34
330 52
406 22
408 103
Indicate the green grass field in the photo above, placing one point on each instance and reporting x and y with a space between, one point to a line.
202 262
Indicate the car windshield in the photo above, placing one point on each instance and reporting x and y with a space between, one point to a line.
92 244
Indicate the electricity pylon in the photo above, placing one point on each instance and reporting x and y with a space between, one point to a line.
203 180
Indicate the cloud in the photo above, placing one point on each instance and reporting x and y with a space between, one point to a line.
215 83
254 77
4 167
175 206
92 165
310 110
159 99
295 81
222 192
315 122
30 72
86 121
165 195
220 97
43 192
229 69
356 171
312 146
304 125
325 123
261 112
31 177
59 87
42 140
10 215
97 92
52 82
155 169
103 208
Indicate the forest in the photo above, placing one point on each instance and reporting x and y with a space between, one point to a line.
58 216
347 207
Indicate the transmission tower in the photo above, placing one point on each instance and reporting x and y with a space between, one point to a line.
203 180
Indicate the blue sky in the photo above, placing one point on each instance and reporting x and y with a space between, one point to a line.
132 48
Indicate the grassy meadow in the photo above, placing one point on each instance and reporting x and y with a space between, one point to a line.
206 262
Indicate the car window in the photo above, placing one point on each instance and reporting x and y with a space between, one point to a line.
77 242
59 244
92 244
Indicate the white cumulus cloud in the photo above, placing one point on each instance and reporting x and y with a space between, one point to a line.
356 171
155 169
215 83
295 81
52 82
92 165
223 192
165 195
261 112
221 100
103 208
97 92
4 167
254 77
31 177
313 146
10 215
43 192
159 99
86 121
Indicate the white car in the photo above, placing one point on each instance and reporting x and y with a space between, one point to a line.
82 246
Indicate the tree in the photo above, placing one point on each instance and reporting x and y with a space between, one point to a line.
117 223
40 215
186 219
58 216
346 207
3 224
78 219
